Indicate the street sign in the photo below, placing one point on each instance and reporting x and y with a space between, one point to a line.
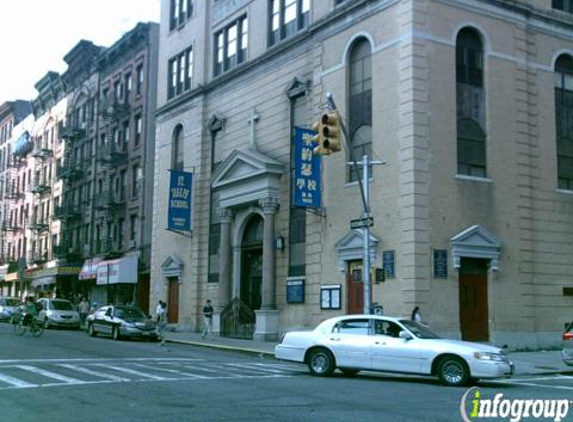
360 223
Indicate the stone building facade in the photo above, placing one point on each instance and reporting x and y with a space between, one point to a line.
466 102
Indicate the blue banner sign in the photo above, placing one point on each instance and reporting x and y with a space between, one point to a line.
307 174
179 212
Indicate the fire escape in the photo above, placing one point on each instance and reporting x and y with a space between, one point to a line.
11 224
68 212
41 188
111 202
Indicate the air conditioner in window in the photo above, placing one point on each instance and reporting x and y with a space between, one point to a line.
132 244
83 125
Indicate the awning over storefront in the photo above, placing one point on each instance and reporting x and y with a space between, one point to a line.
89 269
43 281
123 270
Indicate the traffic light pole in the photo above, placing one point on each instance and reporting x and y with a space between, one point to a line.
367 284
364 193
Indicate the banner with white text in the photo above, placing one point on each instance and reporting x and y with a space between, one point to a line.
179 212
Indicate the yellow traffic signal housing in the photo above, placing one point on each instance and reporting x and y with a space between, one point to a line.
329 131
319 150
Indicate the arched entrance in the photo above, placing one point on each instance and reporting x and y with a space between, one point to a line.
252 263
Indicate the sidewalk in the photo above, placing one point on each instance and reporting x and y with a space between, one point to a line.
526 363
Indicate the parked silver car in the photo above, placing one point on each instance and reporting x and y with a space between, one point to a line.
121 321
58 313
7 307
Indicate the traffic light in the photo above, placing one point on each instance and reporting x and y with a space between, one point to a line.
328 137
330 131
319 150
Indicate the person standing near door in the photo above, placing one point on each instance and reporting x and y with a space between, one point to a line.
207 319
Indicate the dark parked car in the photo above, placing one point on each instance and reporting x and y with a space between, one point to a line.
121 321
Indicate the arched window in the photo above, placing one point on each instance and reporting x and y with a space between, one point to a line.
177 162
470 93
360 101
563 121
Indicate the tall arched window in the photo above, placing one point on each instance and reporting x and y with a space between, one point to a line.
564 121
470 93
177 162
360 101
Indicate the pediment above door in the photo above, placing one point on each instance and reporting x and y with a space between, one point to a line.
247 176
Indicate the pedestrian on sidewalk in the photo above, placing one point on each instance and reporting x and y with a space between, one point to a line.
207 319
416 315
161 321
84 310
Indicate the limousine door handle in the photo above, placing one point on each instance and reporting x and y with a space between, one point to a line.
335 339
377 342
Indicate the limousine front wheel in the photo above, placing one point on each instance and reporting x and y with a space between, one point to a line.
453 371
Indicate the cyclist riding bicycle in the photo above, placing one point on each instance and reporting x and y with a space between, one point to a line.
31 310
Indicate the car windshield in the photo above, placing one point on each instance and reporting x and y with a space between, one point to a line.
62 305
9 302
128 313
419 330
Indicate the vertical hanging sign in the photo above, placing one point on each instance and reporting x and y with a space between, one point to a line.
307 174
179 208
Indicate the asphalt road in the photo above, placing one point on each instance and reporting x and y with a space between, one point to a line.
66 376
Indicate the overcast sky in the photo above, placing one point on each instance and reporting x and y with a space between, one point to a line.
35 35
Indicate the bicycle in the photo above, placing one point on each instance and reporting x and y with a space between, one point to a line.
20 325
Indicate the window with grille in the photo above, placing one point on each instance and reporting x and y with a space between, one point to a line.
287 17
231 45
470 98
564 121
360 103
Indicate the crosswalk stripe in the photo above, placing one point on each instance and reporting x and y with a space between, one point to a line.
132 372
172 371
16 382
210 370
94 373
256 368
50 374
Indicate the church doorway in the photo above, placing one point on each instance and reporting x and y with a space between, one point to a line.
252 263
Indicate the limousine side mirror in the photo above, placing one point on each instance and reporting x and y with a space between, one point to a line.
405 335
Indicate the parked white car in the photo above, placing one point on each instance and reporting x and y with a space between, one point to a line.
379 343
58 313
7 307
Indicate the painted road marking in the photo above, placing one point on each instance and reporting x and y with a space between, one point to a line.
49 374
93 373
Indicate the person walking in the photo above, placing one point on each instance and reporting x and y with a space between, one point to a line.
84 310
416 315
207 319
161 321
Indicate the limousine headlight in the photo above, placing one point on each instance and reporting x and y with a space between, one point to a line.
489 356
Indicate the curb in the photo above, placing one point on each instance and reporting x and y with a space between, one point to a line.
222 347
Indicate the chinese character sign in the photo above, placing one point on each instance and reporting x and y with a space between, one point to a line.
307 186
179 210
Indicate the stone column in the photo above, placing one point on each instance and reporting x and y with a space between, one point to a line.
224 269
267 318
225 258
270 207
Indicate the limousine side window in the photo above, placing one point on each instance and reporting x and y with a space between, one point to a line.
352 326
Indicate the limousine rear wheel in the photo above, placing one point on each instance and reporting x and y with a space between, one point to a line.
321 362
453 371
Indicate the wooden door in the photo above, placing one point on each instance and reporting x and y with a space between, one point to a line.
173 300
473 301
355 288
252 278
143 293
